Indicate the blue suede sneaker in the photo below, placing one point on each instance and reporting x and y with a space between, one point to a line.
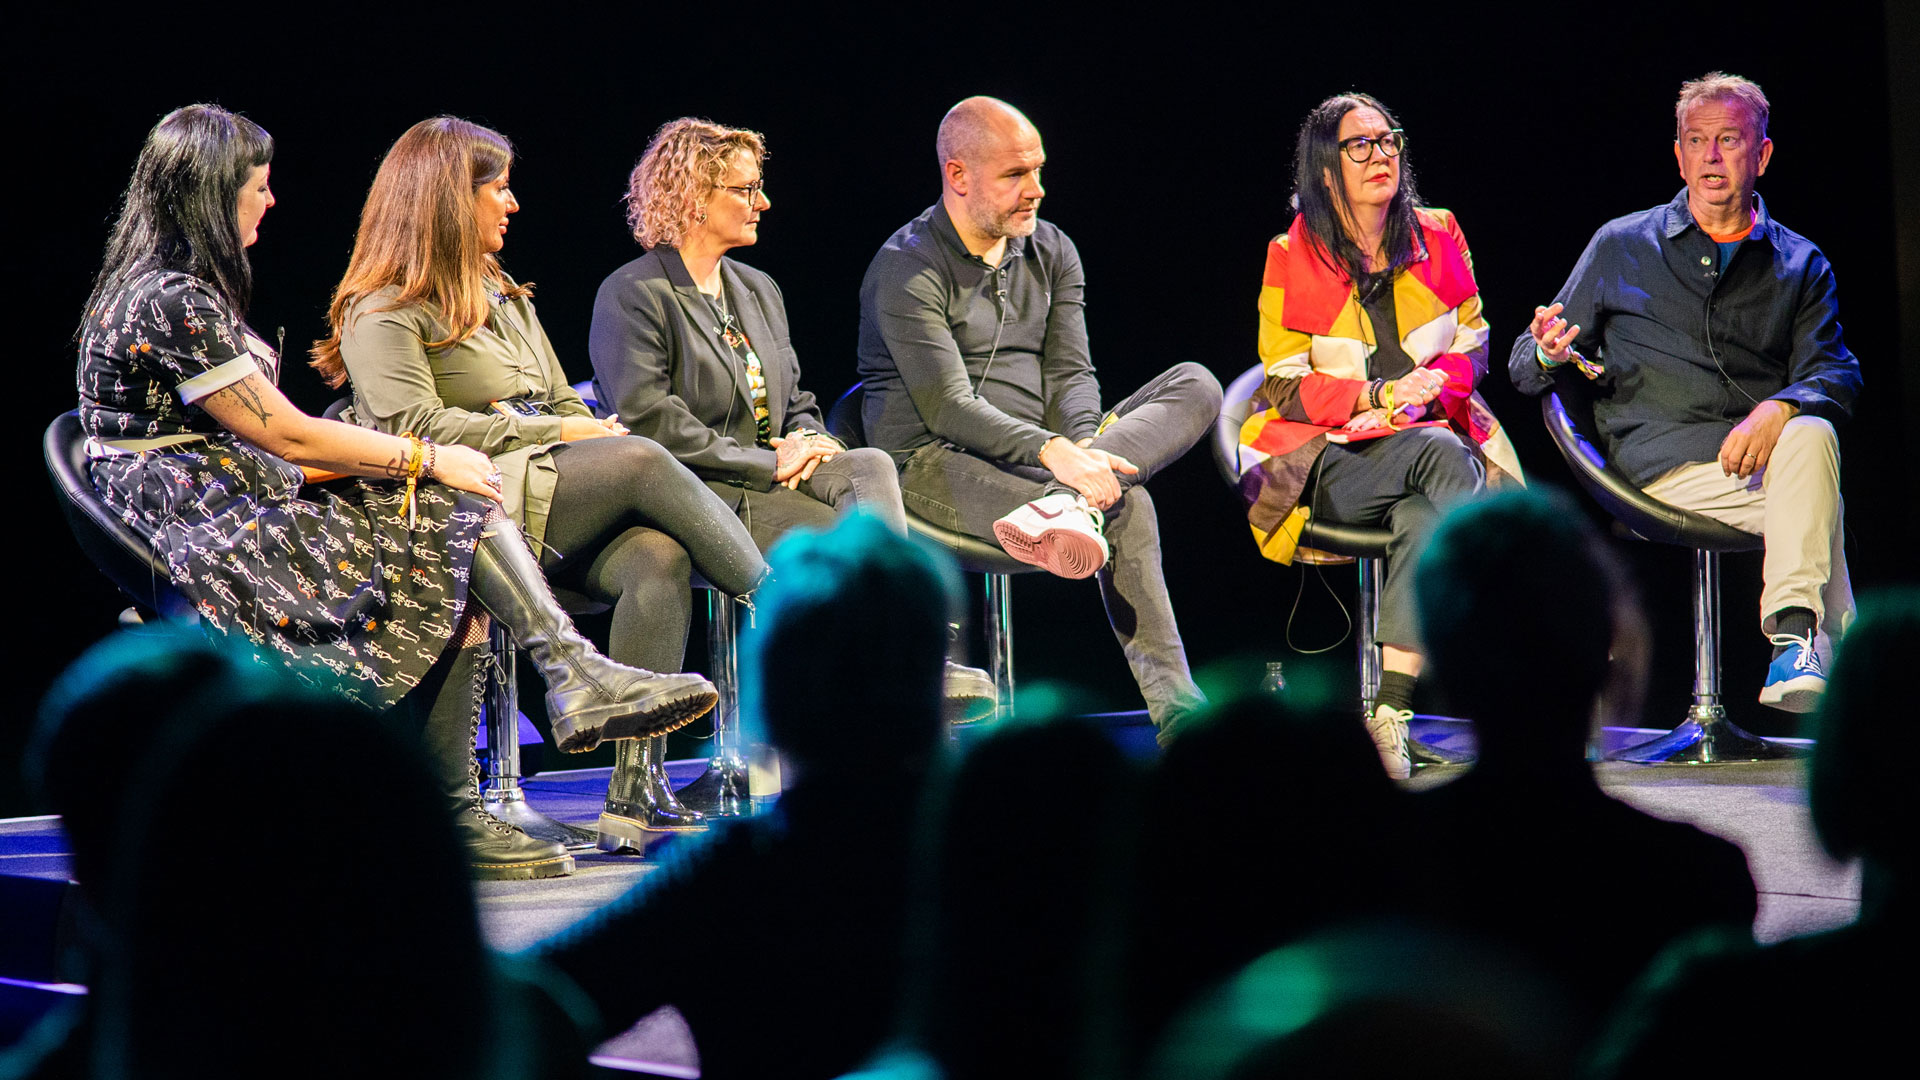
1796 678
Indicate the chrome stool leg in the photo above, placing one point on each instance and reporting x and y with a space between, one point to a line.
999 630
500 792
1707 737
1369 630
723 790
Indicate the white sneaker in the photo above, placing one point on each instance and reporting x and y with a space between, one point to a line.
1058 533
1388 726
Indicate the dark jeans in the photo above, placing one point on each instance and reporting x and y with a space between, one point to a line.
629 523
959 491
1405 481
863 478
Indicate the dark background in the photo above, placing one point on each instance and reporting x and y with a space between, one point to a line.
1168 137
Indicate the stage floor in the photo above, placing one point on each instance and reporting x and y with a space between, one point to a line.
1761 807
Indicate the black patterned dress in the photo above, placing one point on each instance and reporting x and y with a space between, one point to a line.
330 579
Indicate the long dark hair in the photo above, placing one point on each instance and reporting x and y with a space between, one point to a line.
1317 155
181 207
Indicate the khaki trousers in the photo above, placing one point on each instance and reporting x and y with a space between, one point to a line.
1795 503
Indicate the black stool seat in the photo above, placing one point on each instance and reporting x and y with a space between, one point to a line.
1706 737
1643 515
123 553
1332 537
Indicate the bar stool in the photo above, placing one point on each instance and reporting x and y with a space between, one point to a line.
975 556
1706 736
118 550
1366 545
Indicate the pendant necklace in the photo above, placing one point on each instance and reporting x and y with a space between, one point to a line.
729 330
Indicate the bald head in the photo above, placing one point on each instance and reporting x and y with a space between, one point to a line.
978 127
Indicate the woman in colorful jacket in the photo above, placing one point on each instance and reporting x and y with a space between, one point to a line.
1372 339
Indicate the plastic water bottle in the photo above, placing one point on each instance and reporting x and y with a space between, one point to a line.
1276 680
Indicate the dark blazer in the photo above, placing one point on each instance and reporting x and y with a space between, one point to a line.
660 363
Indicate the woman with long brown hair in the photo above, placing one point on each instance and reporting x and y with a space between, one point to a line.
439 341
357 582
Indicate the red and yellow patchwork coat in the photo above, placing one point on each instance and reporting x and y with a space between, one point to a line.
1315 339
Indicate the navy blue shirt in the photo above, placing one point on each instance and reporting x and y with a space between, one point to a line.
1690 346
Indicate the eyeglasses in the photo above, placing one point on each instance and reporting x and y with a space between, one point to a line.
1360 148
750 192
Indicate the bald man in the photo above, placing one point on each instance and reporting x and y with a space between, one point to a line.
973 348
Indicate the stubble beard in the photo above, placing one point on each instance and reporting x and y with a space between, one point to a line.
999 225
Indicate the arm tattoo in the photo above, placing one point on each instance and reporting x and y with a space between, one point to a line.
392 470
250 400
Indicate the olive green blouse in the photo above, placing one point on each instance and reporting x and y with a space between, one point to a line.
447 395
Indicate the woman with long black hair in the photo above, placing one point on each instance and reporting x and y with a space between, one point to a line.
1370 327
347 555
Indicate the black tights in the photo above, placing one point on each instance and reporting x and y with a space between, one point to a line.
628 524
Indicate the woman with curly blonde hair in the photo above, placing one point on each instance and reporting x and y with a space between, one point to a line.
692 350
439 341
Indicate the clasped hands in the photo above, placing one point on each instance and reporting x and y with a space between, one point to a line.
1086 470
798 453
1411 394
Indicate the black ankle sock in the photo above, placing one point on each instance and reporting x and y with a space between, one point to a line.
1396 689
1797 621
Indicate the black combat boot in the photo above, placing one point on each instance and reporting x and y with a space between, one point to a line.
641 809
447 705
589 697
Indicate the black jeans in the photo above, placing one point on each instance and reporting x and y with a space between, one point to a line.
1405 480
860 478
1162 420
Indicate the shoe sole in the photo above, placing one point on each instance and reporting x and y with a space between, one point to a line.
656 714
1800 695
620 833
1066 553
959 712
521 871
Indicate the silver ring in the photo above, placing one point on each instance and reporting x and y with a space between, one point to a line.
495 478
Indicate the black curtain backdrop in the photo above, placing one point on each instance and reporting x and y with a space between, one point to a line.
1168 133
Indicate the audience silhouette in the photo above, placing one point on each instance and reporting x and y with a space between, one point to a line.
258 861
1022 899
1519 604
1830 989
779 937
1383 998
1250 862
270 885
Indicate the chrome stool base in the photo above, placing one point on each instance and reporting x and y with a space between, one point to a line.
511 806
721 791
1707 738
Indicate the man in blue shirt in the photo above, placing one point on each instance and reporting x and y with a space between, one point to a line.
1719 370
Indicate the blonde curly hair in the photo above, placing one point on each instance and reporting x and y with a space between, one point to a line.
686 159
